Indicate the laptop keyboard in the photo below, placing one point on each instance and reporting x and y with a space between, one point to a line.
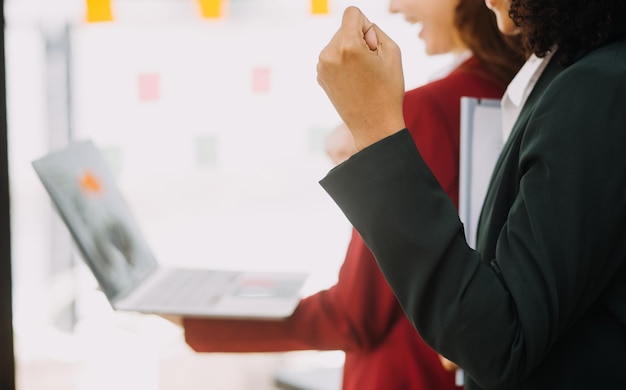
189 288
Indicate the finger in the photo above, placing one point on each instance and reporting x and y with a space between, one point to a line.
176 320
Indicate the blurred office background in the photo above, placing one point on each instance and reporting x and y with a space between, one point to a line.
211 117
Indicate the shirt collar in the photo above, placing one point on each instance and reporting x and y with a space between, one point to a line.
520 88
527 77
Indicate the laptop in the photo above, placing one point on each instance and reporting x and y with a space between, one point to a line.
84 192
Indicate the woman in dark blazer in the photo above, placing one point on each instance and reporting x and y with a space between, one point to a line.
541 302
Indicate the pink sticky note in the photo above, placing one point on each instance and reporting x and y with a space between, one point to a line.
149 87
261 79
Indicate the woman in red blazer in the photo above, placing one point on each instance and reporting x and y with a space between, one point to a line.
360 314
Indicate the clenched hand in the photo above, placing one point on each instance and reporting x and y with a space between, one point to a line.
361 72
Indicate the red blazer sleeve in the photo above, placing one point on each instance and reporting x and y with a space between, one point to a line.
357 312
435 130
432 114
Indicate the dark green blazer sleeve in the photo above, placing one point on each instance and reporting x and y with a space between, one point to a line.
457 302
541 303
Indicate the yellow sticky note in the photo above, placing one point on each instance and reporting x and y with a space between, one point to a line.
99 11
319 7
210 9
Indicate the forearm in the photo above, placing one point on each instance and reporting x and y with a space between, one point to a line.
456 301
309 328
321 322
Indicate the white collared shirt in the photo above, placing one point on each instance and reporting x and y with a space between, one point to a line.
519 89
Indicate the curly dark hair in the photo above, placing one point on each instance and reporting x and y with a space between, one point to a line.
575 26
478 29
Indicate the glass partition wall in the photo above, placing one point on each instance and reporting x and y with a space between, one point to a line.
214 127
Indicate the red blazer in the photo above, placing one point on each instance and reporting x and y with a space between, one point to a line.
360 314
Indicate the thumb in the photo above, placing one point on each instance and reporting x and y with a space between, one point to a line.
354 20
370 37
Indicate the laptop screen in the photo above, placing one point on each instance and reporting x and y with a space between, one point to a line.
84 192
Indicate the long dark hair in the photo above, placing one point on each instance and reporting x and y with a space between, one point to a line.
575 26
501 55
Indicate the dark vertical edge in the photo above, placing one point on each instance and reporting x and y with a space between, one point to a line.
7 357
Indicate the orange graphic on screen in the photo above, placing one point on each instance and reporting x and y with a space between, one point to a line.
89 183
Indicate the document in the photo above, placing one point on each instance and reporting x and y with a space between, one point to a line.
481 144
